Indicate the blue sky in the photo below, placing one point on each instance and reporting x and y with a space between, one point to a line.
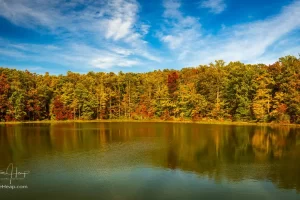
139 36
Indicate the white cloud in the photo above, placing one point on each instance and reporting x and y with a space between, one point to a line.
108 62
215 6
145 29
245 42
172 9
113 19
249 41
96 58
11 53
121 16
76 55
121 51
181 30
109 33
111 26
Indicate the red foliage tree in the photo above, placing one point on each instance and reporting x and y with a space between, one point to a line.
4 89
60 111
172 83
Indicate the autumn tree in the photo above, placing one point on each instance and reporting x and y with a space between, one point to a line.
4 94
172 83
233 91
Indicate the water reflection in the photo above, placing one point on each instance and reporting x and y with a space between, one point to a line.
219 152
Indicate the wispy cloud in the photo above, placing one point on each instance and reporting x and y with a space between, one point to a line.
249 41
120 19
245 42
112 34
214 6
77 55
180 31
109 23
108 19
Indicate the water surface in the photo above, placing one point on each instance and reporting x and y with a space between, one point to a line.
111 160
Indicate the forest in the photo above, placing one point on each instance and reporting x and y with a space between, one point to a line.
218 91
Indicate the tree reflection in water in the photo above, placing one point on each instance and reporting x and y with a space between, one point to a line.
220 152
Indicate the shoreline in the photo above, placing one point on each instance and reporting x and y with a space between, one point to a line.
216 122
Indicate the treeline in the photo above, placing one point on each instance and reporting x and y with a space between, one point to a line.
236 91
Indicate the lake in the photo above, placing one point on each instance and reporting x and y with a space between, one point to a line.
137 160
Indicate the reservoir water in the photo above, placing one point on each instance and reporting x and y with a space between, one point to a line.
147 160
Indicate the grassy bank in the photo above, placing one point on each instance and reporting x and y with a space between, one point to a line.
159 121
